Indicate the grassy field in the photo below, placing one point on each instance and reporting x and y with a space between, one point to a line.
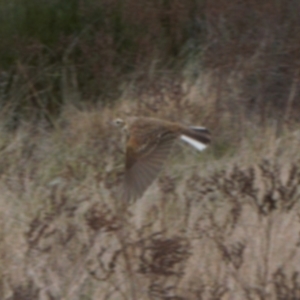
223 224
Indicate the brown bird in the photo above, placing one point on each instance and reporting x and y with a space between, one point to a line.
149 142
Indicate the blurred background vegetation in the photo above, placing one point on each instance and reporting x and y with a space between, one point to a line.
223 224
55 51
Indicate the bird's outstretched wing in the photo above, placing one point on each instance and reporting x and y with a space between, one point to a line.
143 164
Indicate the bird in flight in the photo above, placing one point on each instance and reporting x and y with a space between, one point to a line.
149 142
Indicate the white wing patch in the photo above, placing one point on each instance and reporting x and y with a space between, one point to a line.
199 146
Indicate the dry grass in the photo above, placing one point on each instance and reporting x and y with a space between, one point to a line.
57 52
220 225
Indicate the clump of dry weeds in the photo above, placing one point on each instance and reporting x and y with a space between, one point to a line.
220 225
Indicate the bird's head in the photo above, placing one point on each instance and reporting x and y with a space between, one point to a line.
119 123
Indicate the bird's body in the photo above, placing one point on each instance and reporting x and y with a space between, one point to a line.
149 142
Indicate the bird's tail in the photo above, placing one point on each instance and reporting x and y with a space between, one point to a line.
198 137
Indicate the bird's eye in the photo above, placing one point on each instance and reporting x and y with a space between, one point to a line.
119 122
